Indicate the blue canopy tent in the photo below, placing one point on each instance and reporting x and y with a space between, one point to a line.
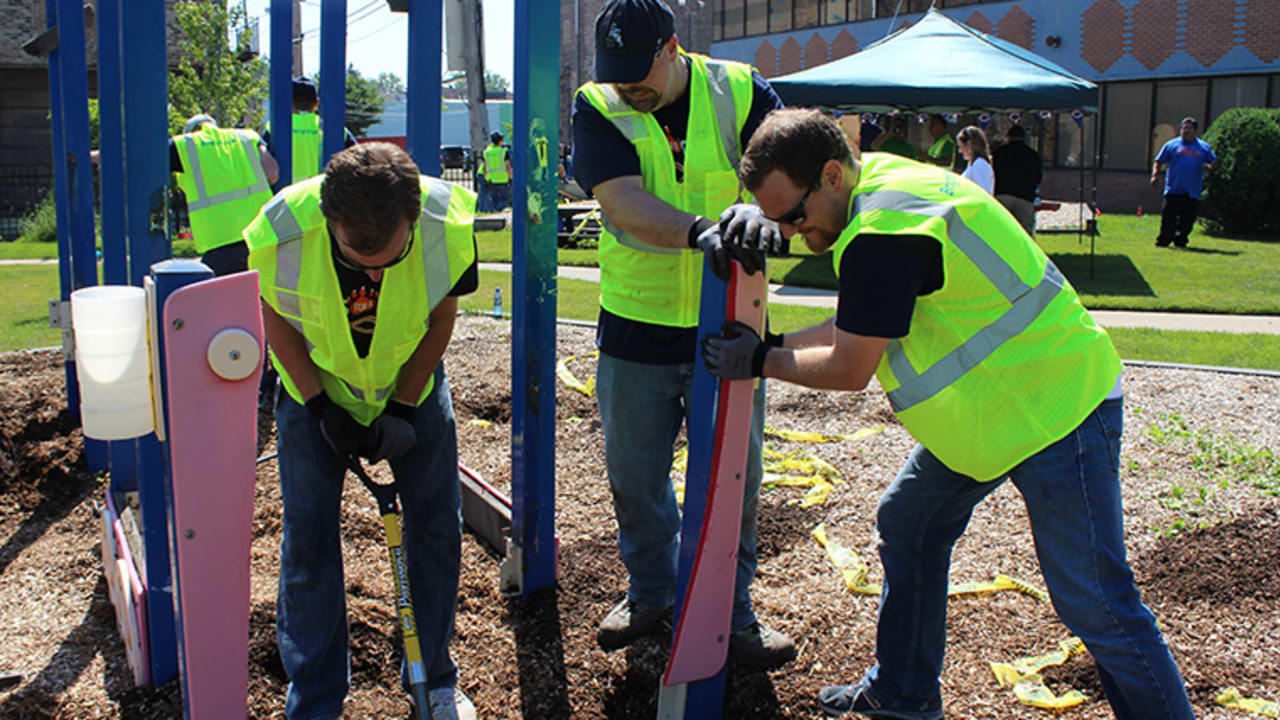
940 65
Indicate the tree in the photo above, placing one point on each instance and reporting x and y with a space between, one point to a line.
494 84
210 78
390 84
364 100
1242 196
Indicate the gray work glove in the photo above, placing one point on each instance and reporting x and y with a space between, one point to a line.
738 354
341 431
391 433
746 226
710 240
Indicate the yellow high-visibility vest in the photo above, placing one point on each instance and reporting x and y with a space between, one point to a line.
662 285
1002 360
224 182
289 247
495 167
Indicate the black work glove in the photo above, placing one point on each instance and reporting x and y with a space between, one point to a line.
745 225
707 237
391 434
340 430
737 355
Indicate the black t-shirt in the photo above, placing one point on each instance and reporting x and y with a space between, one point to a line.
1017 169
360 294
880 278
600 153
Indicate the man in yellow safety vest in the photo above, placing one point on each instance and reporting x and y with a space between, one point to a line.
360 273
308 136
656 140
496 166
998 372
226 176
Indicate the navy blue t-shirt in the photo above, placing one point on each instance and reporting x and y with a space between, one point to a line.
600 153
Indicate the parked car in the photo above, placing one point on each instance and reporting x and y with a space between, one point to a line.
455 156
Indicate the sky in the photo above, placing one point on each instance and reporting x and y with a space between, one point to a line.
377 39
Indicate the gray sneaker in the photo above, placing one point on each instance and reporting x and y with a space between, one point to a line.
628 621
449 704
757 647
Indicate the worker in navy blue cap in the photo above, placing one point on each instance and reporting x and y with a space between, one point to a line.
656 139
308 137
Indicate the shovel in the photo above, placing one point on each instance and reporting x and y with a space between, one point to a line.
385 495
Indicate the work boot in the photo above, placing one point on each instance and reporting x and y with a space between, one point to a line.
627 621
840 699
446 704
758 647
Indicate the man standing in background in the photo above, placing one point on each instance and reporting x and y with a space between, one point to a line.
1187 159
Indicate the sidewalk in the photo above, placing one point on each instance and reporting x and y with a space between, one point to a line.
1196 322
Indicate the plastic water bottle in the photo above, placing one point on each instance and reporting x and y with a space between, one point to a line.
497 302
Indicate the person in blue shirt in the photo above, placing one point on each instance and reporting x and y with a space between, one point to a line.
1185 159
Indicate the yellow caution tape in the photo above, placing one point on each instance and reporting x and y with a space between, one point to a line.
813 437
999 584
1023 675
851 567
817 495
587 388
479 423
1231 698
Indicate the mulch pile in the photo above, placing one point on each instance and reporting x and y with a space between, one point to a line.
1214 588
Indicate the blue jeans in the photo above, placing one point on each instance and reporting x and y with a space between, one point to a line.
642 407
1072 493
311 616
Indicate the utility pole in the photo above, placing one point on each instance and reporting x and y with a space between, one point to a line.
473 30
297 38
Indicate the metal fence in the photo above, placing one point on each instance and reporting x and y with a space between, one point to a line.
21 190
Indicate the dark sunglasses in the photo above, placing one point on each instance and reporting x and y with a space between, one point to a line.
350 264
797 214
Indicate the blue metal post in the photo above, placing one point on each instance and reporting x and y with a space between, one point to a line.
705 698
423 87
533 348
282 89
144 97
75 131
333 68
61 208
115 258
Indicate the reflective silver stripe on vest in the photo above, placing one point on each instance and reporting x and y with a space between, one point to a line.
288 261
726 111
378 395
203 200
435 251
1027 302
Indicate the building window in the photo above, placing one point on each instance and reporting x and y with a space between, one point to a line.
757 17
1127 111
779 15
835 12
806 13
1176 99
1275 91
1067 136
1233 92
733 19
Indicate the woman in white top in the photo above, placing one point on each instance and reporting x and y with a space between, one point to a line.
973 145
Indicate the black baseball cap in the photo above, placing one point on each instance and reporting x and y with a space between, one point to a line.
629 34
304 88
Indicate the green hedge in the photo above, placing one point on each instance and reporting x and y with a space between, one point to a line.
1242 196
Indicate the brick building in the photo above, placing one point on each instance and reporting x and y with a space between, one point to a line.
1154 60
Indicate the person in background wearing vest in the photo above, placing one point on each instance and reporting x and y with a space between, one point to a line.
360 272
943 150
308 138
661 202
497 174
226 176
1188 159
1018 176
999 373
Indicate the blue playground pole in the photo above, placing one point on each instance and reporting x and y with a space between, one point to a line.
61 210
533 347
333 68
282 89
146 163
423 112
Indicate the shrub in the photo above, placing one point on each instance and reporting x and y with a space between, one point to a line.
41 225
1242 196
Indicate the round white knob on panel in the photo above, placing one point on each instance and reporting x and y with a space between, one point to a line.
233 354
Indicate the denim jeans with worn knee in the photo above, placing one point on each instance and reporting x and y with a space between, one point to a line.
1072 493
642 408
311 617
